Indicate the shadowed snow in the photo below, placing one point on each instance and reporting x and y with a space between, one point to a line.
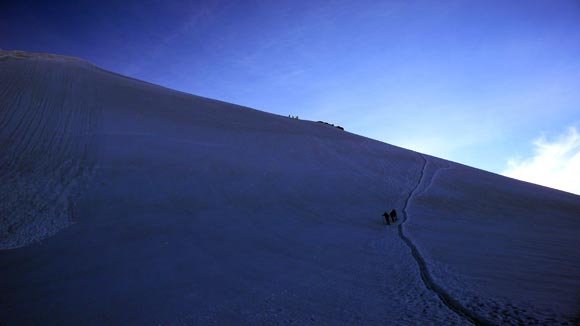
186 210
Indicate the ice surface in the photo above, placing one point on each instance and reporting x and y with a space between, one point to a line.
159 207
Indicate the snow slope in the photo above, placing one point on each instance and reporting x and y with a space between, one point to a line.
511 249
127 203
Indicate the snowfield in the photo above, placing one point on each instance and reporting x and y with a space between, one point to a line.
124 202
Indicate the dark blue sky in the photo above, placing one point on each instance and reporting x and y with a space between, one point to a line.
472 81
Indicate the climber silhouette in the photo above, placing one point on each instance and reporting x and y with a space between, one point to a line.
386 215
394 215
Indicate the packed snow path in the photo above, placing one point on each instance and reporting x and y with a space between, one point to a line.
485 240
430 284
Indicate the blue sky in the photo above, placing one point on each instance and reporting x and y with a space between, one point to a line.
485 83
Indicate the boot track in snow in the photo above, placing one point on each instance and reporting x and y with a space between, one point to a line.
426 277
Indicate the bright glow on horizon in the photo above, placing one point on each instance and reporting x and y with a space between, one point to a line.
555 163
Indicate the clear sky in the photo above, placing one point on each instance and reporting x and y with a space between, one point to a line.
491 84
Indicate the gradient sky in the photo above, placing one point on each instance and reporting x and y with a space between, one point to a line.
490 84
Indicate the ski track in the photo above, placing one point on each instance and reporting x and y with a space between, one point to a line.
426 277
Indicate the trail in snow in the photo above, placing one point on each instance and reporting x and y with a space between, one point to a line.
430 284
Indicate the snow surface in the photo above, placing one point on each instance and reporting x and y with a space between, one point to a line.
511 250
123 202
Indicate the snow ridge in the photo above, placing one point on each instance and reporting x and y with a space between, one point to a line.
430 284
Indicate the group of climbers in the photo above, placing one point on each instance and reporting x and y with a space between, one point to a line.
392 216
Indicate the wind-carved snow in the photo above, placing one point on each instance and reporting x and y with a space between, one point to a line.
194 211
47 154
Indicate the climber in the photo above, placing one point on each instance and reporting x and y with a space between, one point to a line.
394 215
386 215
